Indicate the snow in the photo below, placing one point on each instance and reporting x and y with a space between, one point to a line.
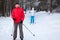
46 27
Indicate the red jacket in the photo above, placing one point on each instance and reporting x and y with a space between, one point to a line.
18 14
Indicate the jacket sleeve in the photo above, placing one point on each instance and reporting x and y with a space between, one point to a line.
22 15
13 17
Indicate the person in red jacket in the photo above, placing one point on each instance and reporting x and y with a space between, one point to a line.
18 18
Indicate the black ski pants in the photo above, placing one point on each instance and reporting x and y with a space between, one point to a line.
16 25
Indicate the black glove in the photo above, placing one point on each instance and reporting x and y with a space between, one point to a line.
14 19
21 21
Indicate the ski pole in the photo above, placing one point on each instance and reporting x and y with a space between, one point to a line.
29 30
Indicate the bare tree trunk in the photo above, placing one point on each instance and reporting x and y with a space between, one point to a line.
7 8
4 7
51 8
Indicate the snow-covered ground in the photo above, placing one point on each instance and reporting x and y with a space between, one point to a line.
46 27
